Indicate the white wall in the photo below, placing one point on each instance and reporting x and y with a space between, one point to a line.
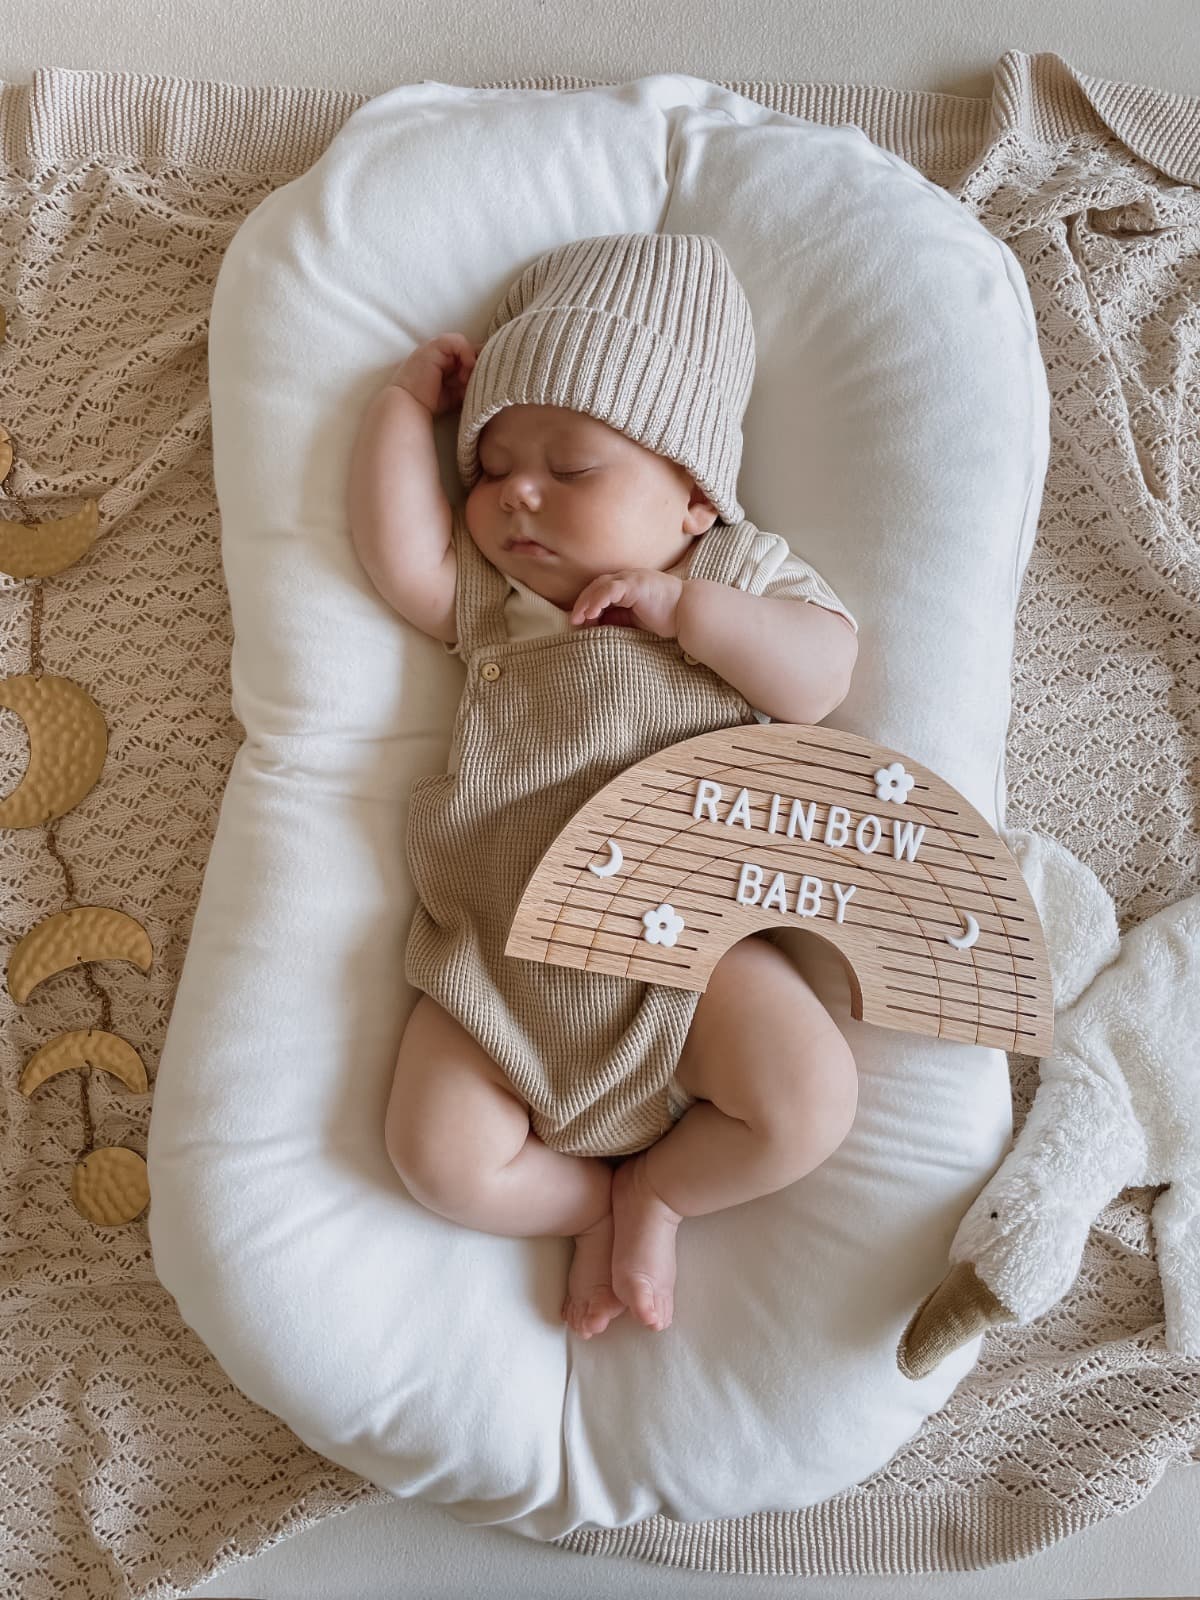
368 46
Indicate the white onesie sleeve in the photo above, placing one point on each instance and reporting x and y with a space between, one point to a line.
771 567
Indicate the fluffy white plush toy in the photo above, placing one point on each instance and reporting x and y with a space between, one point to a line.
1118 1105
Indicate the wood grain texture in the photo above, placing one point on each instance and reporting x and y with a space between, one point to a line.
791 812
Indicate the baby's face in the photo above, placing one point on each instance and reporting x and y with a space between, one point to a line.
591 500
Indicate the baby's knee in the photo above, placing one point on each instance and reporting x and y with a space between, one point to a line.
446 1182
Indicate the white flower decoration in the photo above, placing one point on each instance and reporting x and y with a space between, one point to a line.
663 925
893 783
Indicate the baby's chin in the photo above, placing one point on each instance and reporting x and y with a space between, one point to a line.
548 590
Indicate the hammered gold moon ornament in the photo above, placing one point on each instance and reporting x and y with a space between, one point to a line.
85 1047
6 453
68 741
783 825
110 1186
41 549
87 933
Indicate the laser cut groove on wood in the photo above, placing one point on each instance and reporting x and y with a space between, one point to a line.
687 834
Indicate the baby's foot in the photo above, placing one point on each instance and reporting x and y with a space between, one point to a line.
591 1304
643 1262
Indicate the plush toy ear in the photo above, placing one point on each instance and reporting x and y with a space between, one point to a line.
959 1310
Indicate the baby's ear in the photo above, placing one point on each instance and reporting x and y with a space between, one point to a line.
702 511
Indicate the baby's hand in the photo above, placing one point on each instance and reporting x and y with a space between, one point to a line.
436 373
641 598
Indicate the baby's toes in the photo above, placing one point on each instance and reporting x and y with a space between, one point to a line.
592 1312
649 1301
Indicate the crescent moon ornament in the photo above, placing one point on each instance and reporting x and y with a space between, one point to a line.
613 864
88 933
967 938
41 549
6 453
85 1047
68 741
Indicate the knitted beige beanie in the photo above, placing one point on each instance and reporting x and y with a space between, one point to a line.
649 332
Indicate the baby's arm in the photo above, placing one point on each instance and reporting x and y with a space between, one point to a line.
400 517
789 658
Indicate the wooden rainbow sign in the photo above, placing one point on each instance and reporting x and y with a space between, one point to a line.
786 825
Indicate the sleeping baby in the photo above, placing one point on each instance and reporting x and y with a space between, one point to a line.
608 599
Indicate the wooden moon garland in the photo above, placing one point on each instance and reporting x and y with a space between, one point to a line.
85 1047
44 549
110 1185
787 825
87 933
68 742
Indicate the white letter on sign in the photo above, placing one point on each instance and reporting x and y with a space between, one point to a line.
903 844
740 811
776 894
707 793
749 878
837 827
860 834
808 899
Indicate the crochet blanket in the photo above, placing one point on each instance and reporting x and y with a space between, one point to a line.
126 1457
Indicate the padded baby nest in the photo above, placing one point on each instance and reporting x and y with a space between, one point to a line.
897 436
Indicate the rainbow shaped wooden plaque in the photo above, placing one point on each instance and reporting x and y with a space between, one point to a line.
784 825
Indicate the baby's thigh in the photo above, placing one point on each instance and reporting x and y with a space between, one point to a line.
452 1118
763 1048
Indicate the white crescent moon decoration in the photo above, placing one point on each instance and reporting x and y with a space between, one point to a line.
614 863
967 938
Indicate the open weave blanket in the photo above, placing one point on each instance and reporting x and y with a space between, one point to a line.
129 1466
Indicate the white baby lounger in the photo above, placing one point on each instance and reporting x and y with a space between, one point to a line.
897 436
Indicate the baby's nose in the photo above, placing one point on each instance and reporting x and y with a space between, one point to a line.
520 489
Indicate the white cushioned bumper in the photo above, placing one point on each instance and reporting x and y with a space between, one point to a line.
897 437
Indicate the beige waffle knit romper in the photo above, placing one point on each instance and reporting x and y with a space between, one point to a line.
543 724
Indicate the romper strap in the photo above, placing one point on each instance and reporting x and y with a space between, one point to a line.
721 551
480 591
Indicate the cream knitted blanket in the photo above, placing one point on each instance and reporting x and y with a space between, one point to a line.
128 1464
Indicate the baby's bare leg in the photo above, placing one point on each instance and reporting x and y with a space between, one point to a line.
777 1092
459 1136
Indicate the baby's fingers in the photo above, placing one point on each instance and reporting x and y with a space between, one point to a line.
455 355
454 344
592 600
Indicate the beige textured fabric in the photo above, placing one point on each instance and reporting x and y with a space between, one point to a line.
543 719
129 1466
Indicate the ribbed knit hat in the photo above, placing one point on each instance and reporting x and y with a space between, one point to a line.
649 332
